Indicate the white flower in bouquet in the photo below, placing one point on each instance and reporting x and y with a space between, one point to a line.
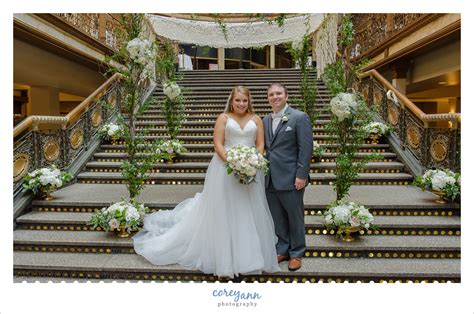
171 89
244 162
110 130
440 179
114 224
343 105
348 214
140 50
46 179
123 214
376 128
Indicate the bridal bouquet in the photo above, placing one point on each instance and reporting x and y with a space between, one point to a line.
46 180
124 215
438 180
110 130
344 214
244 162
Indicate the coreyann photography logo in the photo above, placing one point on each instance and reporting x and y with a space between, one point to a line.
236 298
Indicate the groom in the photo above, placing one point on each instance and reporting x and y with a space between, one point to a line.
289 146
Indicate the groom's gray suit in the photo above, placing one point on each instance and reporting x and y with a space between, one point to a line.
289 151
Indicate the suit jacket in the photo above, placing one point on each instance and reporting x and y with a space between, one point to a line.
289 150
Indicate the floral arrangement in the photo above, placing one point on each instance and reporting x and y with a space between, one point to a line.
377 128
141 51
439 180
46 180
110 130
244 162
123 215
344 214
318 150
343 105
169 148
171 89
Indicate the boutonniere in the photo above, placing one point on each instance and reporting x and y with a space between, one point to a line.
285 118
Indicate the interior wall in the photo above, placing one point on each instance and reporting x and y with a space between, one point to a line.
436 62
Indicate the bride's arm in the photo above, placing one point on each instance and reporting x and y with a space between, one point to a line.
219 131
260 141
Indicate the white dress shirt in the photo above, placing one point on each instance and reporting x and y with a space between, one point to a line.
277 118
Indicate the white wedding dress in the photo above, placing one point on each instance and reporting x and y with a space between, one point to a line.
225 230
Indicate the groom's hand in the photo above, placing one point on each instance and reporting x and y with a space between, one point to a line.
299 183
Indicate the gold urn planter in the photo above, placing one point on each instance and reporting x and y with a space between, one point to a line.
46 194
347 233
122 232
441 196
374 138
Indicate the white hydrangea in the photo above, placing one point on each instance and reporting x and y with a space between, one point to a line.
440 179
343 105
171 89
376 128
140 50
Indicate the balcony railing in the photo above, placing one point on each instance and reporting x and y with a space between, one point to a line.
431 146
35 148
101 27
372 31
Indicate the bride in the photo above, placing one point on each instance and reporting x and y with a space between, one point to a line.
227 229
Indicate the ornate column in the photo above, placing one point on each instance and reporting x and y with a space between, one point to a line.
399 75
272 56
221 58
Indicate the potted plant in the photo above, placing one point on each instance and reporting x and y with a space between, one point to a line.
111 131
348 217
444 183
168 149
375 130
124 217
46 180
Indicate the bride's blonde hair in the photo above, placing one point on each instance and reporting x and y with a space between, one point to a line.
239 89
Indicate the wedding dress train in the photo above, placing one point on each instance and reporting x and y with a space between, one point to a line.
226 230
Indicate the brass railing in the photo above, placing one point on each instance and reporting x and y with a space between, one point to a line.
35 148
432 146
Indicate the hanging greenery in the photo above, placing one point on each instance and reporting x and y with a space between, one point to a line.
308 85
350 114
137 55
173 104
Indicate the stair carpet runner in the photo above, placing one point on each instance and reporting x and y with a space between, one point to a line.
418 240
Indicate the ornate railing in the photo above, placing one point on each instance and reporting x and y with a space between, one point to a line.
372 31
35 148
431 145
102 27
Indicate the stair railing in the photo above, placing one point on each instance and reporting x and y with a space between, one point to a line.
41 141
433 139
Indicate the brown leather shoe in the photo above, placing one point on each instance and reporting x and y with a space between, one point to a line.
294 263
282 258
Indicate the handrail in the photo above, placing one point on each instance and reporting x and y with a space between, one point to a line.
71 116
407 103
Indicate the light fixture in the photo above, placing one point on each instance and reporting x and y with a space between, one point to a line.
442 83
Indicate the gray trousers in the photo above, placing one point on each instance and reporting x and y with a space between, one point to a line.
287 209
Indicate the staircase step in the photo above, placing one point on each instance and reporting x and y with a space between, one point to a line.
395 225
365 246
198 178
321 167
132 266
